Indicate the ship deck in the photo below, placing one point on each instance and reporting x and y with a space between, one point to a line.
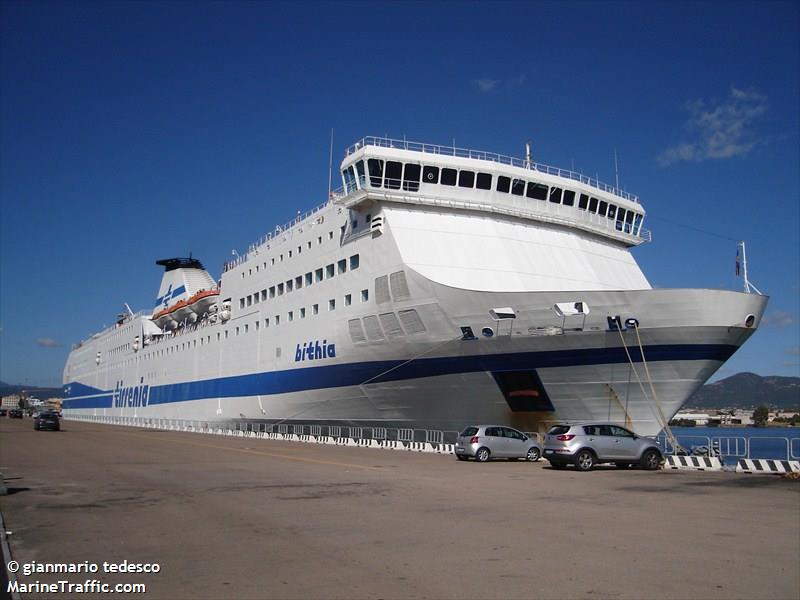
248 518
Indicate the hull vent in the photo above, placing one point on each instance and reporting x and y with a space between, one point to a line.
399 285
391 325
356 330
411 321
382 290
374 332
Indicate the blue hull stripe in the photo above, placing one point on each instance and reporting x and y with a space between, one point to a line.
340 375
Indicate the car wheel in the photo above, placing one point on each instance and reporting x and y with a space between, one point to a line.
622 465
558 466
482 455
584 460
461 457
651 460
534 454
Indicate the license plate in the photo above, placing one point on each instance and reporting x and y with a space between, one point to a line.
548 451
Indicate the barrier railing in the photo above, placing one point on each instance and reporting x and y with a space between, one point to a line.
434 440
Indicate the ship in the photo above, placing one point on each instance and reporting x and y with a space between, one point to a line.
439 286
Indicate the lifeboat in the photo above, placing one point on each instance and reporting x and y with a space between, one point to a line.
186 310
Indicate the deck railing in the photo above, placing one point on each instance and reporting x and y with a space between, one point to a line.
383 142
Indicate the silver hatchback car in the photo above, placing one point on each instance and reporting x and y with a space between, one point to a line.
587 444
484 442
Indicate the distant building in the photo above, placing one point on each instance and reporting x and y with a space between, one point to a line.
11 401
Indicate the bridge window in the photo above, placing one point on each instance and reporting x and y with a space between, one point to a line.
448 176
593 205
503 184
537 191
484 181
360 169
430 175
583 202
637 224
354 262
349 180
569 198
466 179
518 187
612 211
555 195
628 221
411 177
394 172
603 208
620 218
375 167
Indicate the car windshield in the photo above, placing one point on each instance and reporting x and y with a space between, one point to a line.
469 431
558 429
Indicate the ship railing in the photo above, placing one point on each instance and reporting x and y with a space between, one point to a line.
276 234
383 142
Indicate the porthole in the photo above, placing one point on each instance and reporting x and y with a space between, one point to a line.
750 321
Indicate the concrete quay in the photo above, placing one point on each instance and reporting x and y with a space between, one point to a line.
232 517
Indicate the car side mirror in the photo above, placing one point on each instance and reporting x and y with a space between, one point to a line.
525 438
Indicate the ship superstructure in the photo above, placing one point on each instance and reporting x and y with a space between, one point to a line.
439 286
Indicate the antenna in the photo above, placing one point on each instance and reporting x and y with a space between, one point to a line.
616 169
747 284
330 166
528 154
130 312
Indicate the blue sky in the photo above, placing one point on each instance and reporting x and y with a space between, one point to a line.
135 131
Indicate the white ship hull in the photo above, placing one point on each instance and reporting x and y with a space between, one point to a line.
334 322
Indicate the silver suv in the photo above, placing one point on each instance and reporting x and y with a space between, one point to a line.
496 441
587 444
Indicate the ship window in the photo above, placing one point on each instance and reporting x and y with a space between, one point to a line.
593 205
466 179
637 226
364 295
241 302
280 289
309 278
569 198
448 177
628 221
620 218
330 235
226 334
583 202
246 327
272 291
328 271
263 295
348 299
277 320
411 177
603 208
291 316
484 181
258 326
302 313
354 262
341 266
555 195
393 174
355 225
332 304
289 286
249 300
349 179
430 175
298 282
266 322
518 187
281 257
256 298
375 172
308 243
318 275
503 184
299 249
612 211
315 309
537 191
360 169
290 254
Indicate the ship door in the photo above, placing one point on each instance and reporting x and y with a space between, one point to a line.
523 390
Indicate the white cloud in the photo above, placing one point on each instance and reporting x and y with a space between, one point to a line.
718 130
777 318
486 85
48 343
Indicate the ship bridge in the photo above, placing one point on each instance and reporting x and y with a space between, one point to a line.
381 169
